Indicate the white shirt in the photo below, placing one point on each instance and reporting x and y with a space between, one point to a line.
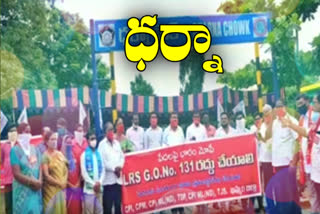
265 148
153 138
198 132
171 137
112 157
136 136
221 132
283 142
88 180
242 131
304 140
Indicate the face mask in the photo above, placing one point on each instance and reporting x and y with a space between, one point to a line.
241 124
24 141
196 121
12 136
154 122
303 110
79 137
120 129
93 143
61 131
110 136
281 112
174 123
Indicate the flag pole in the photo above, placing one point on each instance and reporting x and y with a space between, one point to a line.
94 97
258 76
113 89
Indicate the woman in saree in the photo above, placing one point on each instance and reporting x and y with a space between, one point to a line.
26 167
126 144
55 172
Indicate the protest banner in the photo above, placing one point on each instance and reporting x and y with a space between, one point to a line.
191 174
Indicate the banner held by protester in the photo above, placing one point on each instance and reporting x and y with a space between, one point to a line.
191 174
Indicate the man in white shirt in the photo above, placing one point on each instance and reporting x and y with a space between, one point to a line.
153 135
241 123
135 133
92 171
173 134
196 131
263 130
225 129
282 196
311 134
113 160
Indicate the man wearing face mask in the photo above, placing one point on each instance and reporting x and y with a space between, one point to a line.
310 150
196 131
74 191
241 123
92 170
135 133
225 129
62 131
173 134
6 176
306 120
282 192
211 130
113 160
153 135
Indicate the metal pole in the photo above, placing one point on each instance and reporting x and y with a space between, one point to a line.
275 75
258 75
94 98
113 88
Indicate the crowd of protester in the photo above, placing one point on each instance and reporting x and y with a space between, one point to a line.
70 172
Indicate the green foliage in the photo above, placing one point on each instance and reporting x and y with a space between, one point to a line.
23 33
284 50
246 77
316 55
141 87
294 69
44 48
191 74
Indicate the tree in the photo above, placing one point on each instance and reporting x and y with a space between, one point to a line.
23 33
69 51
191 74
52 46
246 77
141 87
42 47
286 18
